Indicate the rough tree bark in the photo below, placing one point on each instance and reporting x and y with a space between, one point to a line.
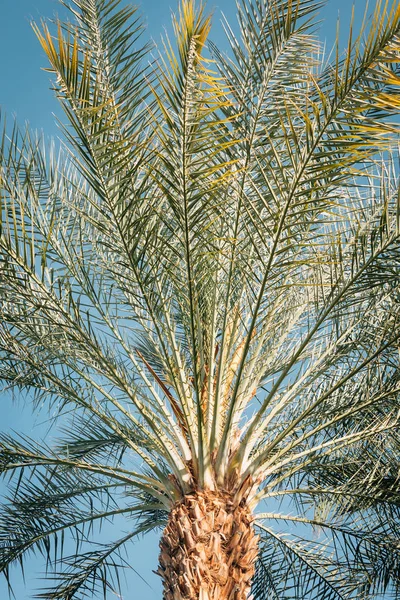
208 549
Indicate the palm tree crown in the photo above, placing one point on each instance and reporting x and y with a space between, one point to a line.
208 274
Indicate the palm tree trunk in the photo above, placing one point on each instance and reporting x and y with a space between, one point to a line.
208 549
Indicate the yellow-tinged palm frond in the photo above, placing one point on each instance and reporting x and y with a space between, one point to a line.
191 26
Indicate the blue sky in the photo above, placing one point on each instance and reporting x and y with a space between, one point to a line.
24 92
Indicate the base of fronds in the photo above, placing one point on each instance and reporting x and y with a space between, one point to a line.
208 549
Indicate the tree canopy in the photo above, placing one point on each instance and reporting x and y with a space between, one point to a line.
203 285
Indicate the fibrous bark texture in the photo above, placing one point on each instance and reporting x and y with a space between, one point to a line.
208 549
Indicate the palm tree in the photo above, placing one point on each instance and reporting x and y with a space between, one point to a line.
203 286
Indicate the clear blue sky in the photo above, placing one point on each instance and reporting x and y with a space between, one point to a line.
24 92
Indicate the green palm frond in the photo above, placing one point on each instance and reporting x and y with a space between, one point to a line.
360 561
55 492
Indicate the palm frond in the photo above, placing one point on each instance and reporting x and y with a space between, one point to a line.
348 562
